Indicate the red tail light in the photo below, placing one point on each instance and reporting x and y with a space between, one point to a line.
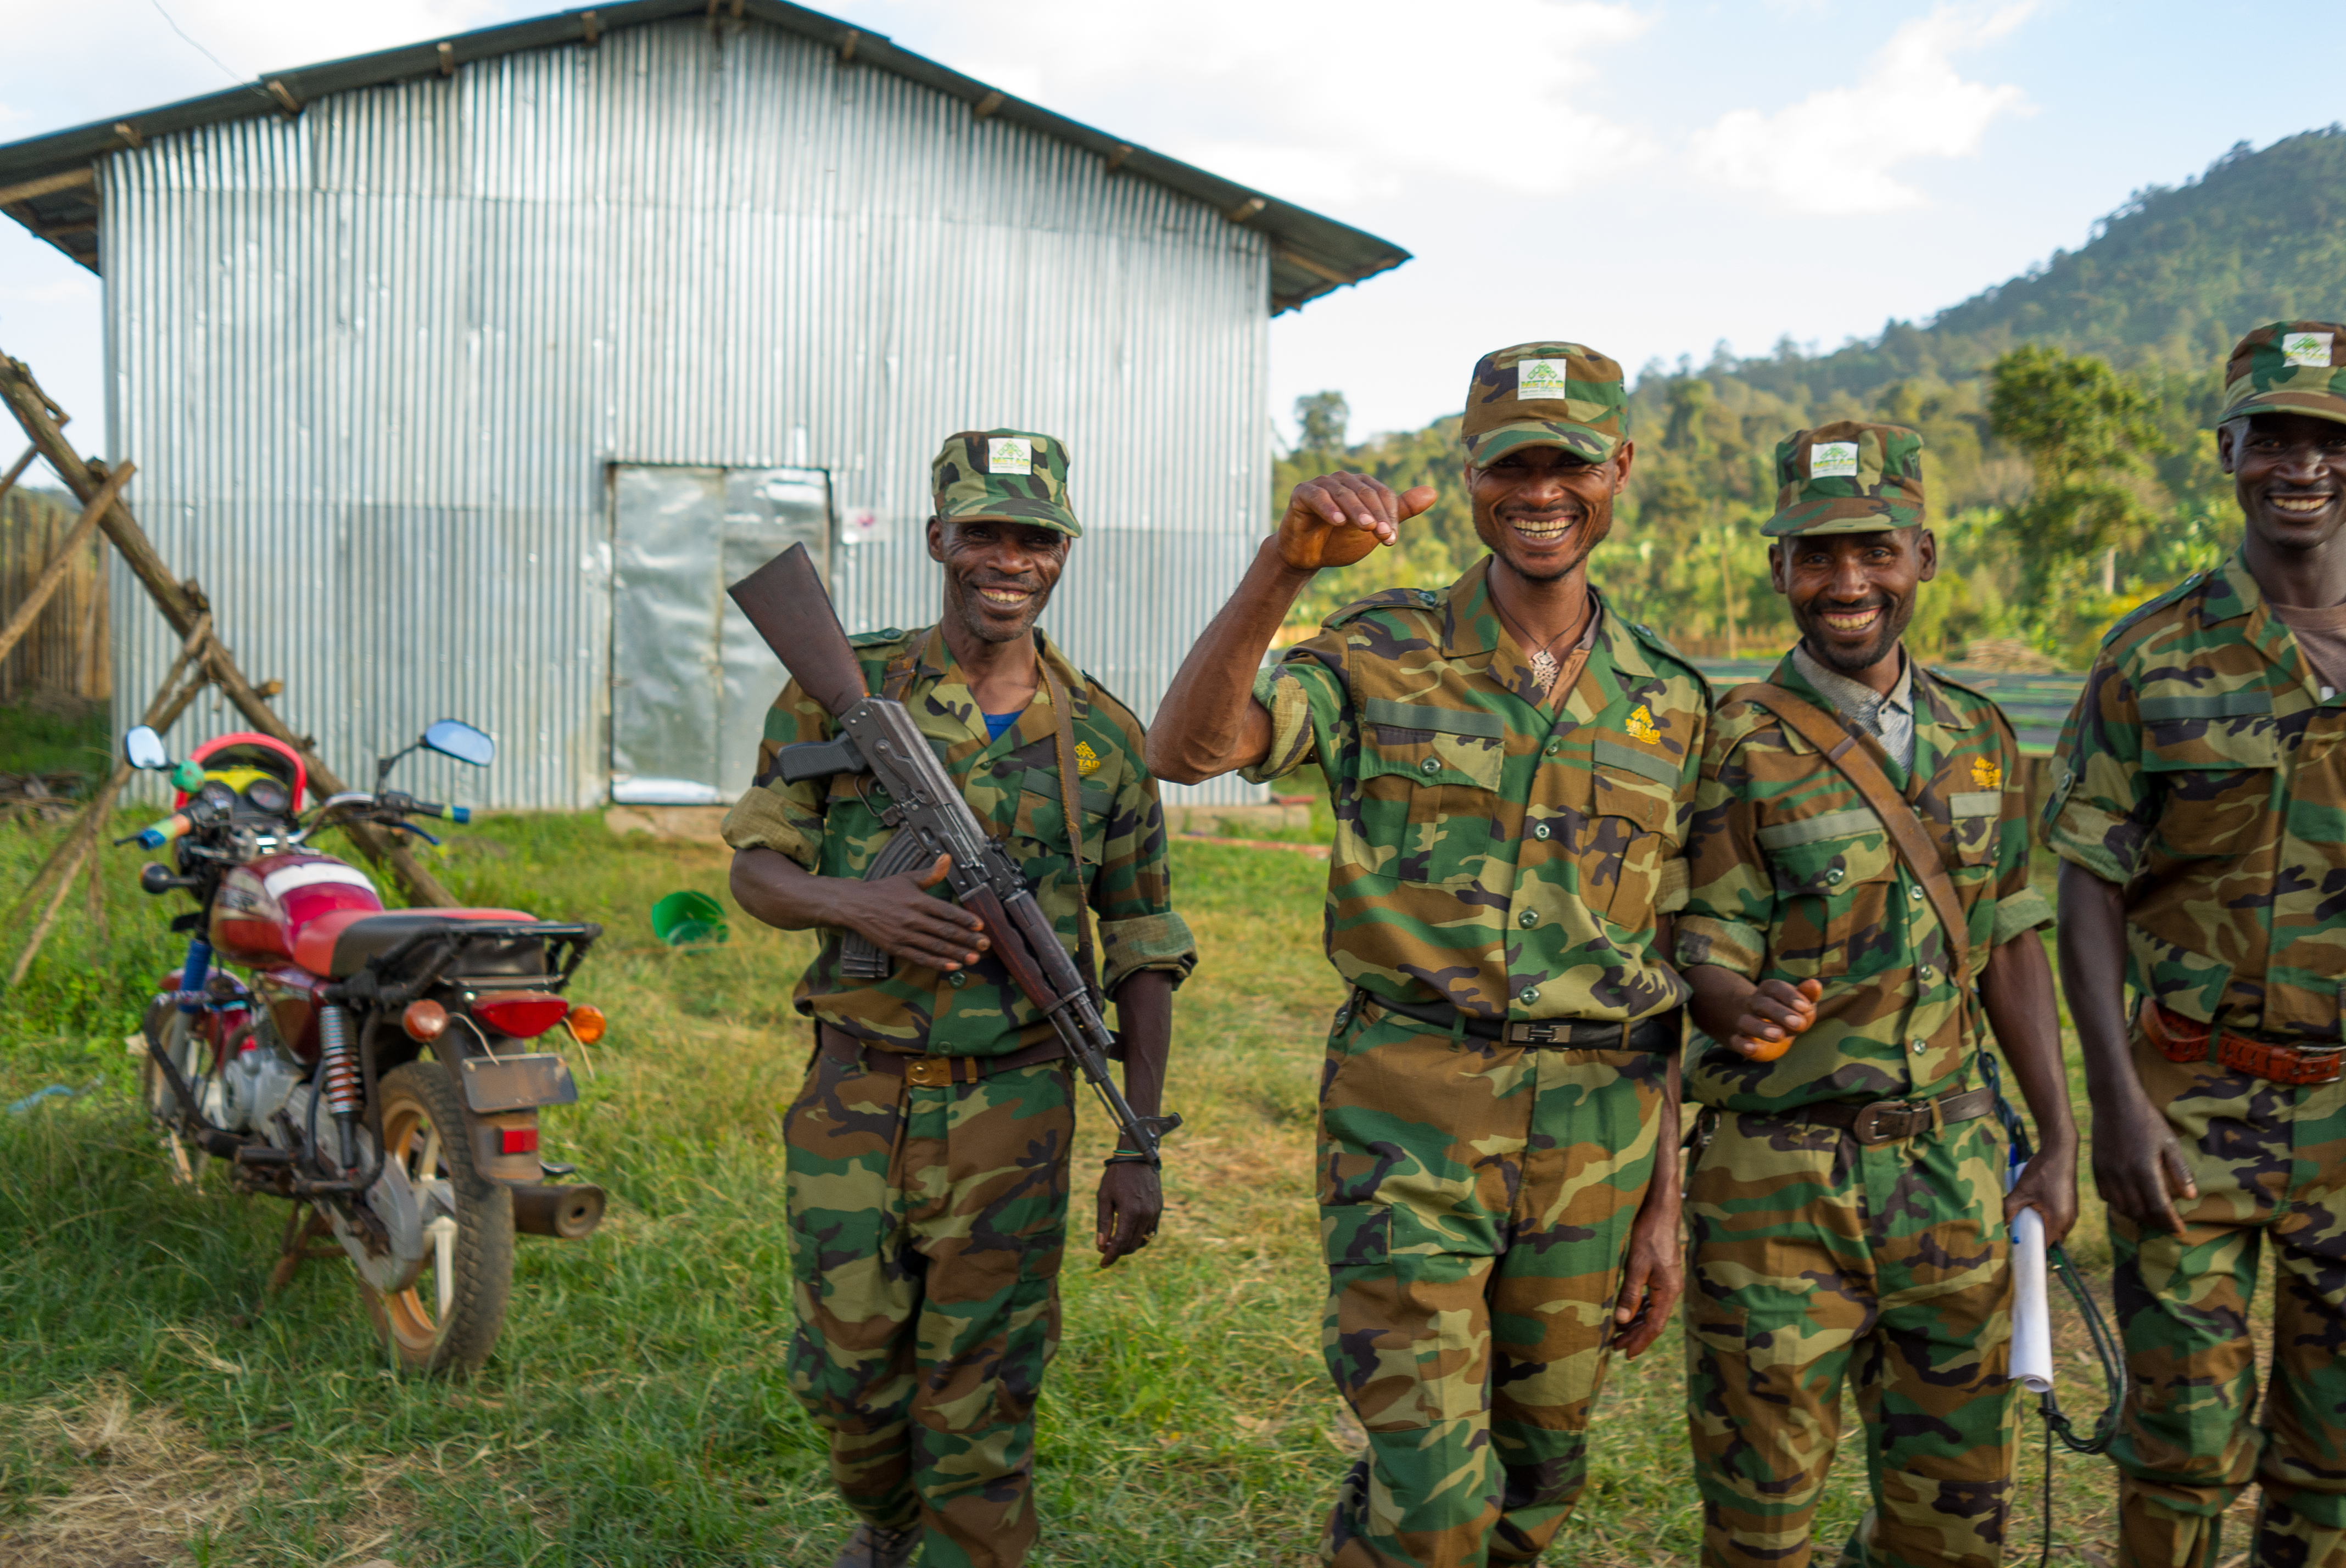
523 1014
516 1140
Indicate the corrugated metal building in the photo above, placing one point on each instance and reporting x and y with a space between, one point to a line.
462 375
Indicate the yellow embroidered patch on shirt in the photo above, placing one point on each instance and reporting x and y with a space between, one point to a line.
1641 725
1088 761
1987 774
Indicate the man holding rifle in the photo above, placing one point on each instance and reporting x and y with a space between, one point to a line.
928 1151
1860 863
2197 807
1511 764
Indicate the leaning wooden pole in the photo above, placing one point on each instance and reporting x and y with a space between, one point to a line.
181 604
36 600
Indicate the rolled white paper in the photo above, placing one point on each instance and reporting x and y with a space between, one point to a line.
2032 1317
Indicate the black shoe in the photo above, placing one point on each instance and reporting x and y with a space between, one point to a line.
872 1547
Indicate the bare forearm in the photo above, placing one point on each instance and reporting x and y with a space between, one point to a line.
2016 990
2092 943
1669 1173
1144 1006
780 892
1209 722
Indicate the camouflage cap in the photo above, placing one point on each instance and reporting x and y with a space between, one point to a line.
1847 477
1015 475
2288 367
1545 395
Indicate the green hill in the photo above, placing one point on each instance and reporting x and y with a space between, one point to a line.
2160 290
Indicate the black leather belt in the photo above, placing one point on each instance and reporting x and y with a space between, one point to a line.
1660 1033
930 1071
1888 1121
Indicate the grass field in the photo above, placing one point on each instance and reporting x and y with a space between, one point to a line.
153 1407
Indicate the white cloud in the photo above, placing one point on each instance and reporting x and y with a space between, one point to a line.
1319 104
1834 152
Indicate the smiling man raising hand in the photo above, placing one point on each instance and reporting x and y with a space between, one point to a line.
1511 764
2200 808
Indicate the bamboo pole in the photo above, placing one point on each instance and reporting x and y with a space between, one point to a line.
37 598
180 606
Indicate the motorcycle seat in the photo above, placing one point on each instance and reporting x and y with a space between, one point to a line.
339 943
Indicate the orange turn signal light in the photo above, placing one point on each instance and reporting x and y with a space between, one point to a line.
424 1020
586 1024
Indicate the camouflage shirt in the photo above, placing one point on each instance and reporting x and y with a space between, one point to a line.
1793 878
2200 771
1013 787
1492 851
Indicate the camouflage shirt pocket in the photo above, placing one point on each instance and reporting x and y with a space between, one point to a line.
1422 764
2215 758
1632 825
1975 818
1834 875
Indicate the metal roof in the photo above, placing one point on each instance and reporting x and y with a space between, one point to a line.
49 184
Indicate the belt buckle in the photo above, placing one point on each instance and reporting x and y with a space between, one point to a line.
930 1071
1540 1032
1867 1130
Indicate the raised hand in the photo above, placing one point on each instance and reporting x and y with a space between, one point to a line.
1336 519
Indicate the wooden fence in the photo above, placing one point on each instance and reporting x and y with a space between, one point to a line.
66 653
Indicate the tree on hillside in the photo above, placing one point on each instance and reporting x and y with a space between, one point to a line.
2090 436
1323 416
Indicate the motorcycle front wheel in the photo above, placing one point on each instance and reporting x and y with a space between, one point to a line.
447 1321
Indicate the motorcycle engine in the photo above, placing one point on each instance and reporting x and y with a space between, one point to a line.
258 1080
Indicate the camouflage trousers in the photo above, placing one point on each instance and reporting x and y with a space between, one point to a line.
1475 1203
926 1230
2269 1161
1815 1260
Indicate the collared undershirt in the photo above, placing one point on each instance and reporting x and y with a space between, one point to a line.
2321 638
1888 719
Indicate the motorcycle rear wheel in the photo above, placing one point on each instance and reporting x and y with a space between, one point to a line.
447 1321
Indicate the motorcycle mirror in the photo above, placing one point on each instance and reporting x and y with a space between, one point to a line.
144 749
450 738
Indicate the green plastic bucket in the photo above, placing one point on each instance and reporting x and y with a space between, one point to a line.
689 920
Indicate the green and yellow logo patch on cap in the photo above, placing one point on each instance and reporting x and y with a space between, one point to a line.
1545 395
1847 477
1013 475
2288 367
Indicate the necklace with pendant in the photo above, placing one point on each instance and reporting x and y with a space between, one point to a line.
1543 663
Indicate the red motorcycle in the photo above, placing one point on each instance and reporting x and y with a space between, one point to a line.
379 1067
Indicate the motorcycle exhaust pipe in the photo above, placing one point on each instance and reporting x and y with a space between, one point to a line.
567 1210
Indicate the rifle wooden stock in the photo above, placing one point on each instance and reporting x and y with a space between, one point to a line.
785 600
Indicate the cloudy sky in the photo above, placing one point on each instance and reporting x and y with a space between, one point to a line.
1651 177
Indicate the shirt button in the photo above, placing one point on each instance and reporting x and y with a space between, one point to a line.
1527 920
1915 893
1429 766
1835 874
1554 747
1927 972
1540 831
1919 1045
1527 995
957 979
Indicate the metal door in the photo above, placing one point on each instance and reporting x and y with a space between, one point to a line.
691 681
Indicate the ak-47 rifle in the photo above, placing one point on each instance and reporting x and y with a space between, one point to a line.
785 600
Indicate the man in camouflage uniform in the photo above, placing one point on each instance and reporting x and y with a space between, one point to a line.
928 1149
1510 763
1847 1207
2201 806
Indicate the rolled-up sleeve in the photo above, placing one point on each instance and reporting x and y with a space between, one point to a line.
1304 694
1132 890
1731 899
771 815
2100 808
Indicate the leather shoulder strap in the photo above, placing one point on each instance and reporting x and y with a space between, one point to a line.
1914 845
1071 812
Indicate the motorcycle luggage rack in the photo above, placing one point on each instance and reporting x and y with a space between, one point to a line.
568 939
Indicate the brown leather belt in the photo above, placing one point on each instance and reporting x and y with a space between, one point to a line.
930 1071
1888 1121
2180 1039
